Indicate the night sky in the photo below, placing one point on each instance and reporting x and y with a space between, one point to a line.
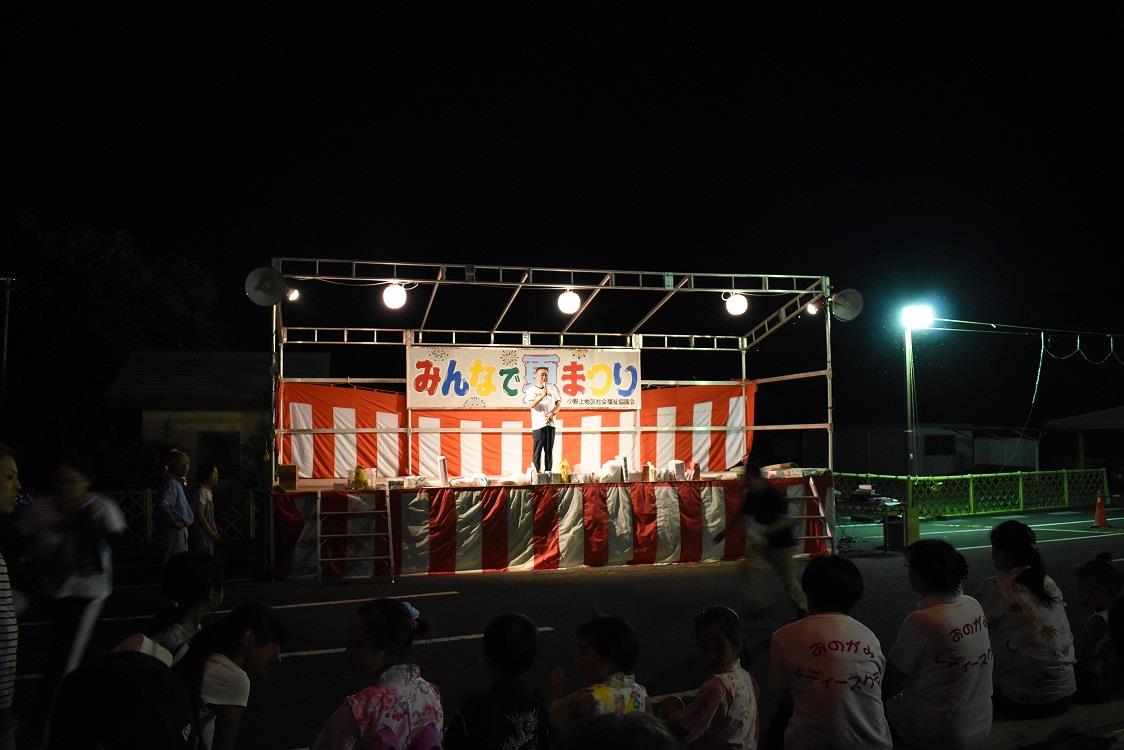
967 162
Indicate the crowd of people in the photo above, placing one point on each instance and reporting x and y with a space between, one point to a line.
184 682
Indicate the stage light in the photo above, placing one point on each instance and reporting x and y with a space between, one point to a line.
394 296
292 294
813 308
736 304
569 302
917 316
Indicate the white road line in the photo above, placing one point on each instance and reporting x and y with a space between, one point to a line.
157 585
1049 541
301 605
420 642
978 529
329 651
336 602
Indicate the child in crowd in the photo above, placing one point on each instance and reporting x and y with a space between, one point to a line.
1030 637
191 584
937 688
509 715
724 712
1112 675
831 665
218 665
607 654
1099 583
398 709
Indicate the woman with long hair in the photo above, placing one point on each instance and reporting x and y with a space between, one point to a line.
1030 636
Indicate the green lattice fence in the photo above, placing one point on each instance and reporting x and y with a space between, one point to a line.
972 494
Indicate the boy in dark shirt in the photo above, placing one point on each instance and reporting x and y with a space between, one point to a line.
510 716
769 508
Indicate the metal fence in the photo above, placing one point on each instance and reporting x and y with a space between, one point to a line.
236 513
972 494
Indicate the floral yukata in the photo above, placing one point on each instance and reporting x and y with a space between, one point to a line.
400 711
620 694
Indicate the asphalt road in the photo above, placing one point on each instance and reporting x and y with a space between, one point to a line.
287 710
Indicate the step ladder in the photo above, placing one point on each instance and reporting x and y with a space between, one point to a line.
821 515
358 538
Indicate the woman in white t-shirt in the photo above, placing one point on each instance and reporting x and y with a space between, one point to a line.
218 666
830 665
1030 636
937 688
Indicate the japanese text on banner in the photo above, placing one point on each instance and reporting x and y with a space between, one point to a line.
462 377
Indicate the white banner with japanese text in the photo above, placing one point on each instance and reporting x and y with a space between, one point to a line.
494 377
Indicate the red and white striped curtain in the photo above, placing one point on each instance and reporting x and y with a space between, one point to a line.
508 451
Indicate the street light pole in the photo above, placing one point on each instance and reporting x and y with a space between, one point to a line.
913 316
910 408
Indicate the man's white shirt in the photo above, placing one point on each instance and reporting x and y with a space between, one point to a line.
542 408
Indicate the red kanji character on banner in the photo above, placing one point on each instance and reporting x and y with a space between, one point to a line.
429 378
572 375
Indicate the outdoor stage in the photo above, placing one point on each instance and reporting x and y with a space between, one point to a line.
447 413
541 527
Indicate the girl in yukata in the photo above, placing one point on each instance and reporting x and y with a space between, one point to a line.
724 712
607 654
398 710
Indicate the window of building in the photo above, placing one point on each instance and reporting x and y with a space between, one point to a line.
940 445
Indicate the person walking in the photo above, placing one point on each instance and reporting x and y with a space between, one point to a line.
773 547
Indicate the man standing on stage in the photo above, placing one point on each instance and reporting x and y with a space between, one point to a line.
544 400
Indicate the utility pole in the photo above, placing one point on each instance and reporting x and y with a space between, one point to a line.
8 281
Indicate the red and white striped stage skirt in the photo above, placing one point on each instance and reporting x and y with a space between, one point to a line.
542 527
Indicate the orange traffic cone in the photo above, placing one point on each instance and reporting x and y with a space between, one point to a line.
1099 519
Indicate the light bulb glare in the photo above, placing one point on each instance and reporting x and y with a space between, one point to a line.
736 304
917 316
394 296
569 302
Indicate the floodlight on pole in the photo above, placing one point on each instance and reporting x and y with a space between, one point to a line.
736 304
292 294
913 317
917 316
569 302
394 295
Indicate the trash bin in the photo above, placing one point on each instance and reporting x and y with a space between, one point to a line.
893 533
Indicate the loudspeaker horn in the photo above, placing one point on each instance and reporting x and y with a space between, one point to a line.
265 286
846 305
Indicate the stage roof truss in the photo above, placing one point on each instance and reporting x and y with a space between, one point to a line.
798 289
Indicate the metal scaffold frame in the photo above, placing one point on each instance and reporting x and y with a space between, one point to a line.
792 293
